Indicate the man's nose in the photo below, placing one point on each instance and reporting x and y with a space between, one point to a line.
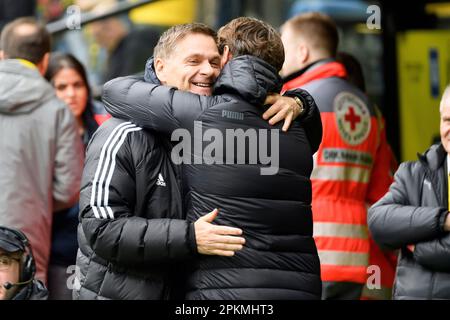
206 69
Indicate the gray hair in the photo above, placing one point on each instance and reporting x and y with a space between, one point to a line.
169 39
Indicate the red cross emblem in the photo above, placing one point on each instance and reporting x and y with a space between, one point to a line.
352 117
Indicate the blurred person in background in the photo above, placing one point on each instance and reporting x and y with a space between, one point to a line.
68 77
347 156
414 218
128 46
383 174
41 160
17 268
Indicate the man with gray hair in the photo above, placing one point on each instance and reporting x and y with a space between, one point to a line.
413 217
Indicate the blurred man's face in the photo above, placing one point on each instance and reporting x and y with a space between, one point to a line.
108 32
295 53
193 66
445 124
9 272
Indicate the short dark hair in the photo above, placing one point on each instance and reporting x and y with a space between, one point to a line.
31 46
169 39
319 29
254 37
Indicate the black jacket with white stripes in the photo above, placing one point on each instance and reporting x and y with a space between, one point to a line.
131 229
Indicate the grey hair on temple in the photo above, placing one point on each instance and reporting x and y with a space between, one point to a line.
445 96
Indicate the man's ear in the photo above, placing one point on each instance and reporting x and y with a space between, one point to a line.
158 64
303 53
2 55
43 65
226 56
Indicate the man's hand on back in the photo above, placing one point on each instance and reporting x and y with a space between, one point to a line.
216 240
283 108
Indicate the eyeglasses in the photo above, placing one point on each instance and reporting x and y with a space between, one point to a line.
6 262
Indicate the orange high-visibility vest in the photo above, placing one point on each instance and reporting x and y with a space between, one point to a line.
342 171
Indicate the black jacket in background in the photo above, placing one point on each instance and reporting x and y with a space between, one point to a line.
413 213
279 259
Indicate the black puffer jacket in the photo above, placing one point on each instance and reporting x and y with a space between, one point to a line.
413 213
279 259
131 231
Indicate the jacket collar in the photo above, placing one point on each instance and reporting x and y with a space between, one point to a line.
250 77
321 69
19 66
434 157
150 74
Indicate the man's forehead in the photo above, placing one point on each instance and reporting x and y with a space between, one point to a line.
202 44
445 104
445 112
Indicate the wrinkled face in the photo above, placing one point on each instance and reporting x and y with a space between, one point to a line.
70 88
9 272
193 66
445 125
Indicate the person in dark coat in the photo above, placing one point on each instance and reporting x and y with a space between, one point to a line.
413 217
17 268
268 197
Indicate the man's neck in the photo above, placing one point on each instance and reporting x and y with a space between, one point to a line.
309 66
